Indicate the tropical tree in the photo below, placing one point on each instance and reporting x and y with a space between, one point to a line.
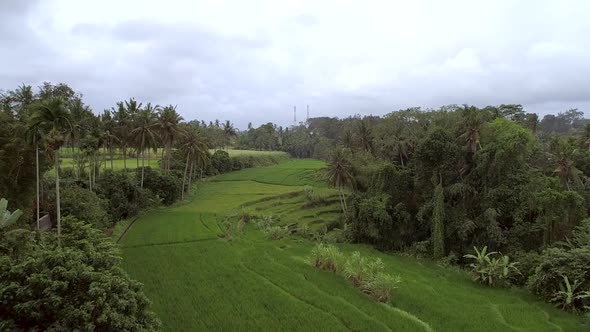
340 174
228 132
122 129
169 121
52 116
561 152
194 147
438 227
145 133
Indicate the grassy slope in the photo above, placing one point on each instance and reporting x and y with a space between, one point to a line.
199 282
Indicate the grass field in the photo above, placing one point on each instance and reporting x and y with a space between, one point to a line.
66 159
199 282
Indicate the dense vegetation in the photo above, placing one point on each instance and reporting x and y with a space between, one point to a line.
493 190
199 278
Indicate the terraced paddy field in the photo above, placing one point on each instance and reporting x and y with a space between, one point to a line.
198 281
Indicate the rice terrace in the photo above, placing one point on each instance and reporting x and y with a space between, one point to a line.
200 281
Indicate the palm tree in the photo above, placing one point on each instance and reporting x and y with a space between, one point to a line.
122 128
110 137
561 152
34 134
228 131
51 115
472 125
169 120
340 174
194 146
365 136
145 133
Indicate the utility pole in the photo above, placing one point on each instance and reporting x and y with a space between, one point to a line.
295 115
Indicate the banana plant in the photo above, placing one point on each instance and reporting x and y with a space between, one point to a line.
6 217
568 295
491 270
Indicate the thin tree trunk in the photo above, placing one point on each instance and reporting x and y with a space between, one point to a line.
190 178
94 169
184 177
142 160
57 203
89 176
37 163
148 156
111 153
165 161
125 158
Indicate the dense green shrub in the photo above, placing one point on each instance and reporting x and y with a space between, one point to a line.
165 186
125 197
84 204
557 263
327 257
491 268
221 162
78 286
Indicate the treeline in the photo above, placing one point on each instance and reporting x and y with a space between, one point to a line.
437 183
57 156
53 128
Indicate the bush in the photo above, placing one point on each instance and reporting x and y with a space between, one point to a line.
309 193
84 204
304 231
78 286
264 222
124 197
231 229
277 232
490 270
360 270
221 162
570 297
165 186
326 257
556 264
381 286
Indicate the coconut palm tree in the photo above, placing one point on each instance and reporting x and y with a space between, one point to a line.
169 120
472 125
561 152
145 133
195 147
110 137
52 117
122 129
34 134
228 132
340 174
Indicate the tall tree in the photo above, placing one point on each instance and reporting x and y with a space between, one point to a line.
169 121
438 227
145 133
340 174
52 115
229 132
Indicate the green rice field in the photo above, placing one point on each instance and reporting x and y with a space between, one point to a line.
198 281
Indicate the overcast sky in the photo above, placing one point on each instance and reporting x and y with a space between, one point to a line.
254 60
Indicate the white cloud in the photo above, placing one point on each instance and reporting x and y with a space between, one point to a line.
253 60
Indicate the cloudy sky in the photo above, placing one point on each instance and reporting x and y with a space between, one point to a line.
254 60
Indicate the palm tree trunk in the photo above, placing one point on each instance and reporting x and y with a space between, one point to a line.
184 177
89 176
37 163
94 169
57 203
111 153
148 156
190 177
341 197
142 161
169 148
125 158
